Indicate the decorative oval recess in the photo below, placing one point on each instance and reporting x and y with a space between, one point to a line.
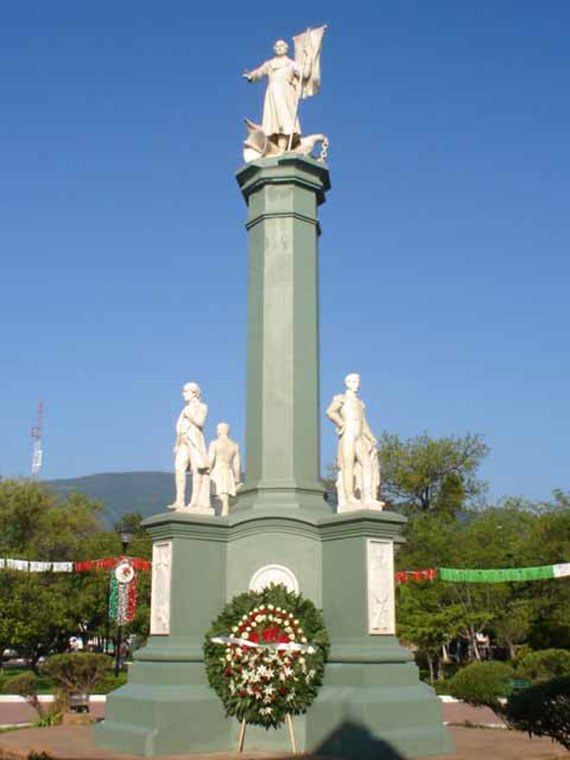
274 574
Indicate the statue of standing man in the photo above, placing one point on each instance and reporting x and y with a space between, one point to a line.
359 469
190 453
225 474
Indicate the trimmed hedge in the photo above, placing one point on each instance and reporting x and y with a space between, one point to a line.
542 710
77 673
544 665
483 684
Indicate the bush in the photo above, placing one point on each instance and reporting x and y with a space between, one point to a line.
544 665
543 710
26 685
77 673
483 683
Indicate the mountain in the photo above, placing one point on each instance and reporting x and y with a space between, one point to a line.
122 492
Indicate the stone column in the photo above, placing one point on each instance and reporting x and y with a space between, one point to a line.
282 406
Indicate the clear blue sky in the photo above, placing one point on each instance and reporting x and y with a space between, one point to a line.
446 235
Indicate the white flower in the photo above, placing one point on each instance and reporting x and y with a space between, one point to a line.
290 697
269 689
304 640
270 607
311 650
287 671
234 629
266 710
254 625
258 695
296 622
245 635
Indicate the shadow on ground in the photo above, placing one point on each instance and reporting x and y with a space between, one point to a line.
353 741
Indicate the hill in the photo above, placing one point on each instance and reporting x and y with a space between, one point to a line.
122 492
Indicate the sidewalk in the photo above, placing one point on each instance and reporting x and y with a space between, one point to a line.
15 711
74 743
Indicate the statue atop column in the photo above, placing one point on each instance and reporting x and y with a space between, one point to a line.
225 475
359 470
190 453
289 81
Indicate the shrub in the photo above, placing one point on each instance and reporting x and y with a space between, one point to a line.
542 710
544 665
77 673
26 685
483 683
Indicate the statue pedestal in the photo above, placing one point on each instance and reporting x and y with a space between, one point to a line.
282 529
371 682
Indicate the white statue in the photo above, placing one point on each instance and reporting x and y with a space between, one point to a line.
190 453
288 82
225 476
359 469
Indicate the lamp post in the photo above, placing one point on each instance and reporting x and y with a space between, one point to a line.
125 537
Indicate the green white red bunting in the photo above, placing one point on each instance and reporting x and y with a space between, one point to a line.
491 575
123 593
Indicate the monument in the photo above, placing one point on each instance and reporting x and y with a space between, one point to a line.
282 529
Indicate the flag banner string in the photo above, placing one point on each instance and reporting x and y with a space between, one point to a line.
33 566
491 575
447 574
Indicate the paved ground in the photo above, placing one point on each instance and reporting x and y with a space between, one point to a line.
74 743
454 713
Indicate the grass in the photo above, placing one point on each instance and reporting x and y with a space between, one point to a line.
47 686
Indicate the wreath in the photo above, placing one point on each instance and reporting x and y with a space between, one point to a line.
265 655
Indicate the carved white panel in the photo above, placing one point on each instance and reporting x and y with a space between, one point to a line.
160 594
274 574
380 579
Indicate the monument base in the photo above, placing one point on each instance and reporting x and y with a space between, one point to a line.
343 564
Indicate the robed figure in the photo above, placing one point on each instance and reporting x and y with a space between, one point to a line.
288 82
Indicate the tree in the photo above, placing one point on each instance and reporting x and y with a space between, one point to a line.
423 474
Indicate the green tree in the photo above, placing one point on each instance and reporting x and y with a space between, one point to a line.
424 474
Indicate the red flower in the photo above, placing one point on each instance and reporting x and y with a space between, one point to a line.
243 693
282 690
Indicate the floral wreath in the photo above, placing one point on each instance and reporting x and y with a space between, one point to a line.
265 655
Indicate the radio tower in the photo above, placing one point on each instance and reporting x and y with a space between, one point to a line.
37 438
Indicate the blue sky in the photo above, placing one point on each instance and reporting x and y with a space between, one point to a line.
444 254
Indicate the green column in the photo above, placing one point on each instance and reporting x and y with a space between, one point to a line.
282 405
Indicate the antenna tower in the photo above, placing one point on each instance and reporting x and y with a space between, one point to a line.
37 438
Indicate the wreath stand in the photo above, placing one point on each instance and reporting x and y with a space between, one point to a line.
289 726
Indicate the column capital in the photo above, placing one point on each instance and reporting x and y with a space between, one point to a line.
289 168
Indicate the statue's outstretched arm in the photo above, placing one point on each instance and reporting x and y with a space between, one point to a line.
258 73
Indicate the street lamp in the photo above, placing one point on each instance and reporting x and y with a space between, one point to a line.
125 536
